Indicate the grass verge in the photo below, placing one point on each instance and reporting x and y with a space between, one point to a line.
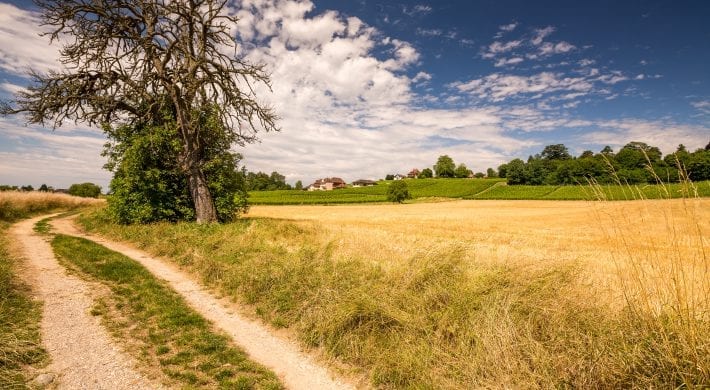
19 322
158 325
441 320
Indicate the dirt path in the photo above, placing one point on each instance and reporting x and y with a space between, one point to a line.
82 354
295 368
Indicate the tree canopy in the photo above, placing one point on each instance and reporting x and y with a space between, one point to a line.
398 191
445 167
462 171
85 190
636 162
426 173
144 63
260 181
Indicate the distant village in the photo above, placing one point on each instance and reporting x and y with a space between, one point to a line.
335 183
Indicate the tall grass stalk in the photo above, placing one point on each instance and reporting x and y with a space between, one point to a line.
665 287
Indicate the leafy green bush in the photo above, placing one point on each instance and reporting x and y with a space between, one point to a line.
398 192
85 190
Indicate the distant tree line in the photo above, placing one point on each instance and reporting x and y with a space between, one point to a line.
446 168
5 187
260 181
86 190
636 162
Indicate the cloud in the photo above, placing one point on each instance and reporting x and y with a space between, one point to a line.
508 27
548 48
540 34
664 134
22 48
350 113
419 9
421 76
467 42
612 78
434 32
11 88
703 106
508 61
531 48
643 76
497 48
498 87
58 158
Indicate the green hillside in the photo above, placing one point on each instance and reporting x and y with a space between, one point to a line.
477 189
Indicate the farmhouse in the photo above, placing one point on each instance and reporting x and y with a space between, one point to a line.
364 183
414 173
327 184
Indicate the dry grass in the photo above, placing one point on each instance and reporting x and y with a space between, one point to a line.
19 321
17 205
521 294
645 261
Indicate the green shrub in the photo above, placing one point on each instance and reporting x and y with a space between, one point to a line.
398 192
85 190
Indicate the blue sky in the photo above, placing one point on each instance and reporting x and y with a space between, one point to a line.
366 88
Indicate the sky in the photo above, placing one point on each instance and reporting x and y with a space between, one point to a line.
368 88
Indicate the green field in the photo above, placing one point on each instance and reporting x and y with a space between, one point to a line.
479 189
420 188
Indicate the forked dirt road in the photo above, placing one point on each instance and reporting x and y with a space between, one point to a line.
295 368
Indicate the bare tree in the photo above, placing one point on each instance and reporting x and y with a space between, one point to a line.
136 61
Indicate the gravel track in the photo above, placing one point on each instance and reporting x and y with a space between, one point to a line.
295 368
82 353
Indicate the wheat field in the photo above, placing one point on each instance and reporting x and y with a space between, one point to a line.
644 263
505 230
653 241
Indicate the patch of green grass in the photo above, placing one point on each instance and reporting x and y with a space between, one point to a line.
516 192
169 334
43 226
19 323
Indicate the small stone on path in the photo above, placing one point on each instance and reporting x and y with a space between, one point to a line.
43 380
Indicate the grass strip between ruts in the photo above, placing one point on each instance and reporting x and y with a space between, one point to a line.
168 335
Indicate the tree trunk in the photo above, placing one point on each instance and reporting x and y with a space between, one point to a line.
205 211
